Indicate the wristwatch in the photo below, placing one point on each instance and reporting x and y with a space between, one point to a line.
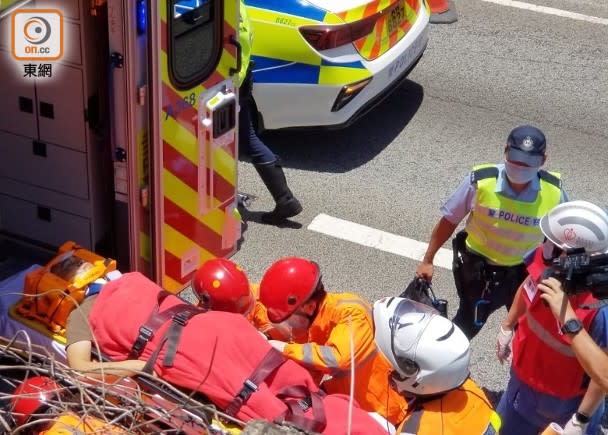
582 418
572 326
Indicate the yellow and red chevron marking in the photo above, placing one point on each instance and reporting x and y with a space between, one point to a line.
379 41
184 229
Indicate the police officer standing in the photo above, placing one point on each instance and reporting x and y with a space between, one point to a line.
504 204
265 162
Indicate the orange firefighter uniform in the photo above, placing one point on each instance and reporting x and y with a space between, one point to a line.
327 353
465 410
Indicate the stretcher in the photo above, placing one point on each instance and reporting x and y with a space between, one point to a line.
13 325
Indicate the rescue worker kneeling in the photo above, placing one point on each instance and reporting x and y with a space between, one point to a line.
219 354
430 357
329 331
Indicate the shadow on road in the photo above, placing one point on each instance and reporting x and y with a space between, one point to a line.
346 149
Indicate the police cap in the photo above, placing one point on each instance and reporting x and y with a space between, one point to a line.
526 144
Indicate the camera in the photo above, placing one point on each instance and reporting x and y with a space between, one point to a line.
580 272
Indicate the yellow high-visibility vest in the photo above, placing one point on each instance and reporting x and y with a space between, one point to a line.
246 40
504 229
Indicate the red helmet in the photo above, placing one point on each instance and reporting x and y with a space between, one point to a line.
32 396
221 285
287 284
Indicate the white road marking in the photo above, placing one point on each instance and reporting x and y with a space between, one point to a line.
377 239
550 11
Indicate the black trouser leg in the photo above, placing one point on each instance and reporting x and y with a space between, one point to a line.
274 178
502 287
465 315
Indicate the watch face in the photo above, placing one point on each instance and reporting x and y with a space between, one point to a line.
572 326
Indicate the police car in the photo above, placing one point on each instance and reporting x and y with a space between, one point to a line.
326 62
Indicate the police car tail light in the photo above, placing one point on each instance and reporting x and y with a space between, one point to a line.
348 92
326 37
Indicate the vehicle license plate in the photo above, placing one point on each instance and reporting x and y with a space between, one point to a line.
396 16
406 59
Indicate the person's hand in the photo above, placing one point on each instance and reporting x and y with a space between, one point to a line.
554 296
425 270
278 345
281 331
574 427
503 345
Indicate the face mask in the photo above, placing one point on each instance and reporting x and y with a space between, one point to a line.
520 174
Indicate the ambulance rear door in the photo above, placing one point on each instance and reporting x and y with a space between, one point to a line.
181 151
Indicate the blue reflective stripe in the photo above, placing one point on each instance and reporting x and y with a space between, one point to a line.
285 72
299 8
356 64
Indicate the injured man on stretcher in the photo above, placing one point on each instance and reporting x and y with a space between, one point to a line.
140 327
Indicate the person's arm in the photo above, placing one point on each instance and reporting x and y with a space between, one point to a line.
335 354
79 358
518 307
591 357
457 206
594 395
506 333
441 233
79 346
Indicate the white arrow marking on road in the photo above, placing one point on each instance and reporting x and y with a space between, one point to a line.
377 239
549 11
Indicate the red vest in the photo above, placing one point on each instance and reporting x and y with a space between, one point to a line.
542 357
217 351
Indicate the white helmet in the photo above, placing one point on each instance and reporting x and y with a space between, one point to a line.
577 224
429 354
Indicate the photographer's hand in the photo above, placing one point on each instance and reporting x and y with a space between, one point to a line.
553 294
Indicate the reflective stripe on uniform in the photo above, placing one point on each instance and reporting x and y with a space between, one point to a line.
345 373
495 421
546 337
326 354
495 245
413 422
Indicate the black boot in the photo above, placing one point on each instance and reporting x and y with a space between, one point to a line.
274 178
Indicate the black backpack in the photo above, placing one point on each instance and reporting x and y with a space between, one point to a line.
420 290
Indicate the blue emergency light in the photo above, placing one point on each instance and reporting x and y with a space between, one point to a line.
141 12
